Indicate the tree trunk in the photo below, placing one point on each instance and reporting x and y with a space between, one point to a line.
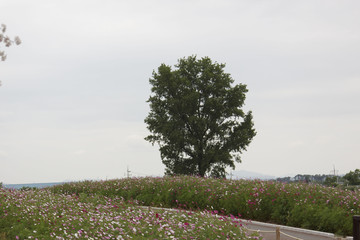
201 166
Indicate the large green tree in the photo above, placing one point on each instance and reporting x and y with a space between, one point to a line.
353 177
196 117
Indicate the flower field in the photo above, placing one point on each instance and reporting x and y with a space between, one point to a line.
299 204
206 209
43 214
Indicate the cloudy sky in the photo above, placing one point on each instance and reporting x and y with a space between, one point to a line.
73 94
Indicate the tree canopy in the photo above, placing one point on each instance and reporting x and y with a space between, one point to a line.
353 177
196 117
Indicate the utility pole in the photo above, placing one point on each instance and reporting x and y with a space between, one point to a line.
334 172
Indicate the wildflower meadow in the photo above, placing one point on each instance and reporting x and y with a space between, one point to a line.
302 205
204 209
43 214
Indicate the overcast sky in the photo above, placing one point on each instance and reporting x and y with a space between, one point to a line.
73 94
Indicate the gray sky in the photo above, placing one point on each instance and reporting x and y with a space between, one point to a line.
73 99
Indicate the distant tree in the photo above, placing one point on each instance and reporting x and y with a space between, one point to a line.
331 181
6 41
284 179
196 117
353 177
319 178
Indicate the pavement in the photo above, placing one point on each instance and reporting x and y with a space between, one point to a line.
268 231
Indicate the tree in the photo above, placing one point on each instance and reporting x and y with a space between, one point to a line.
196 118
353 177
5 40
331 181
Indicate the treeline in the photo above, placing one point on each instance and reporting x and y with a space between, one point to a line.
352 178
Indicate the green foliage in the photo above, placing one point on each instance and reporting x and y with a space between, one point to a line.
321 218
196 118
3 236
331 181
353 177
27 188
41 214
311 206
